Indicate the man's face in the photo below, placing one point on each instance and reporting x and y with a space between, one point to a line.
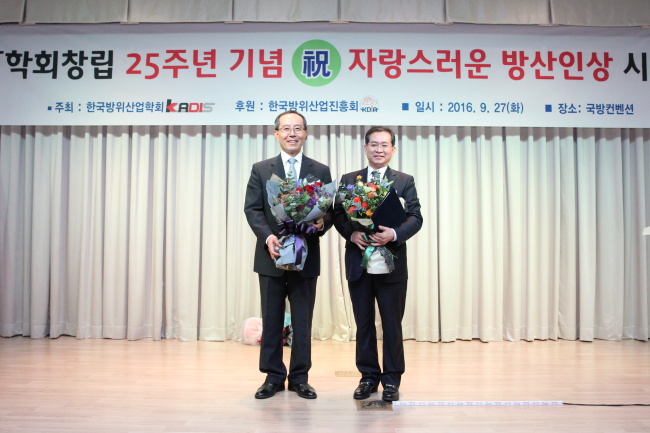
292 133
379 149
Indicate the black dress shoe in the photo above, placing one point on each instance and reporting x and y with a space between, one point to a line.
391 393
268 389
303 390
364 390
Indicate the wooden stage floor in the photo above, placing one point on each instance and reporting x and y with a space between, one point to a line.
69 385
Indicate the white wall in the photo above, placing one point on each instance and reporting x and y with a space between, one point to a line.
608 13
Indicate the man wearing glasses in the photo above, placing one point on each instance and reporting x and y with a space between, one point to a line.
387 289
276 285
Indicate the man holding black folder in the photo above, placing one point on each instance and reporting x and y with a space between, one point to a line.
393 228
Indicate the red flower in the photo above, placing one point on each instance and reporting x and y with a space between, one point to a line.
309 188
357 200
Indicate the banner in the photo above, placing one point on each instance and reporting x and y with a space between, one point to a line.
240 74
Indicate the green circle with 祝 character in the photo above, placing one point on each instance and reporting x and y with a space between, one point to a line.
316 63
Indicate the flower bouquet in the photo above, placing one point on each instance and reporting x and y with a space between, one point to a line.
367 204
296 204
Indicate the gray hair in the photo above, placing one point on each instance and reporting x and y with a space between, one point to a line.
277 119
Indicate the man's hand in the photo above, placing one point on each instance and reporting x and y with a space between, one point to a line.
357 238
319 224
382 237
271 243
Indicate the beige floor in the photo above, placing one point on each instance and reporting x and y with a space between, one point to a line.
68 385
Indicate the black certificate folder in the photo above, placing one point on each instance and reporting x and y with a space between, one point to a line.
390 212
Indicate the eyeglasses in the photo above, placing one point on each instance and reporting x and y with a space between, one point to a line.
295 129
374 145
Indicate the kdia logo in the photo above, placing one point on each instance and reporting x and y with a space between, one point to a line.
188 107
369 104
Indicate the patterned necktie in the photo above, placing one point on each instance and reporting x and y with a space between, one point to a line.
292 167
375 177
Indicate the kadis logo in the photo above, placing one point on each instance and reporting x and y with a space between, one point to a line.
188 107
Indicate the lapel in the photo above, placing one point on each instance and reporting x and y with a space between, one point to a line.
305 167
390 174
277 168
363 173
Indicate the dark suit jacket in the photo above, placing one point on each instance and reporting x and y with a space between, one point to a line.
262 222
404 185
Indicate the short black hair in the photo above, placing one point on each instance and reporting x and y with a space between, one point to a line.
374 129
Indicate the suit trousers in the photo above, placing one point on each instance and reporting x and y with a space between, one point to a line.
391 300
301 292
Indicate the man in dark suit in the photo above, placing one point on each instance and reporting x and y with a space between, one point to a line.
276 285
389 290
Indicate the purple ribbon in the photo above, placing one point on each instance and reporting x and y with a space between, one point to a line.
289 227
298 245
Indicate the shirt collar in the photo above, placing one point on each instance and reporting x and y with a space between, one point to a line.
285 157
382 172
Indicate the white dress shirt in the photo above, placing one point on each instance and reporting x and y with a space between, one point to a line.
382 173
285 160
